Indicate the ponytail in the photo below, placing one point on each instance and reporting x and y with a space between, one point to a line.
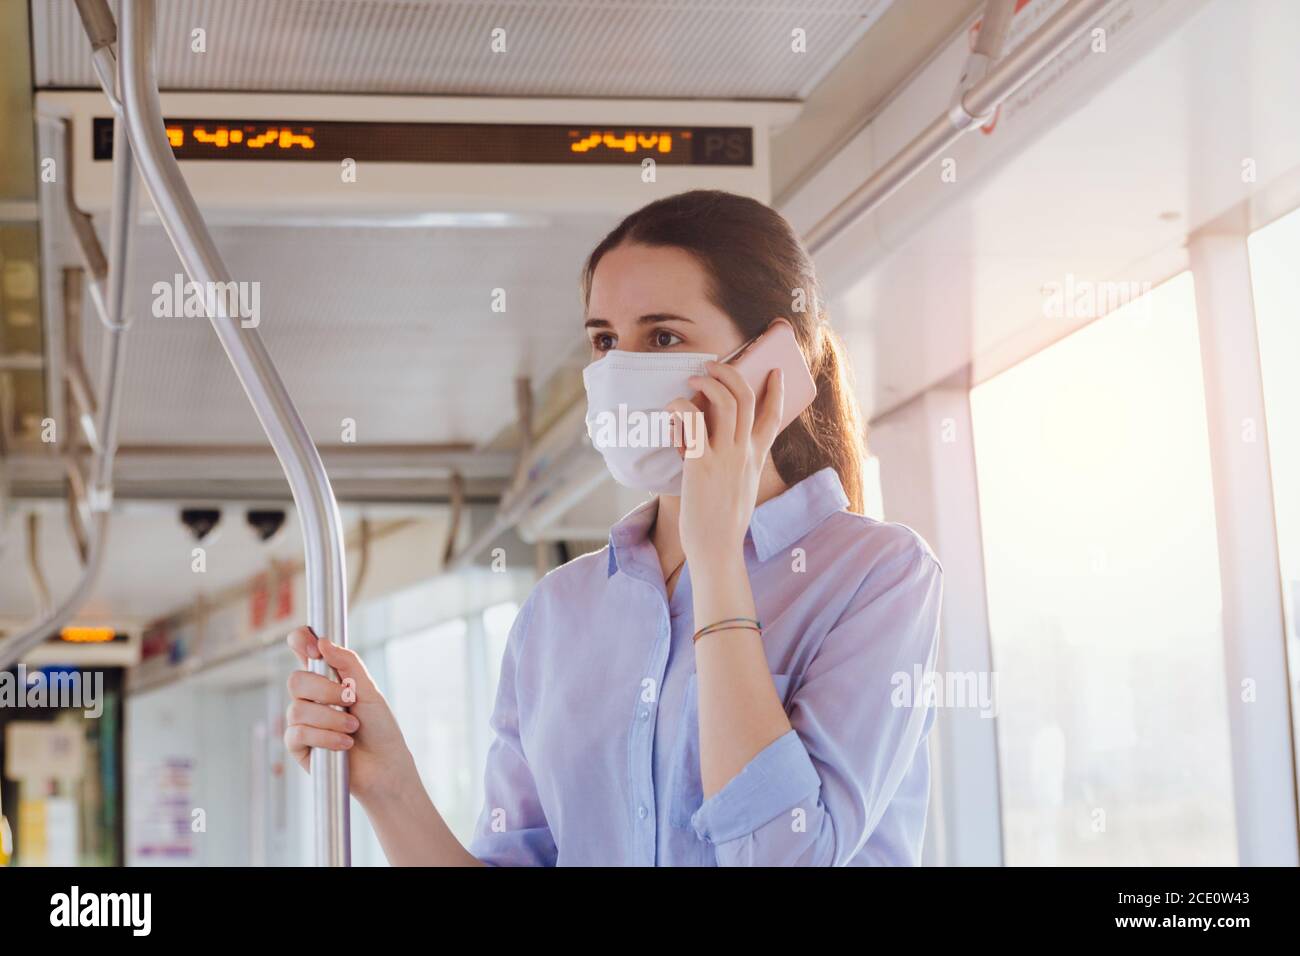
830 431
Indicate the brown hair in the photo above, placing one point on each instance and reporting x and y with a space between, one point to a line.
759 271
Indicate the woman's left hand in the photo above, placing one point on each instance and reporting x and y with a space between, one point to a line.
722 466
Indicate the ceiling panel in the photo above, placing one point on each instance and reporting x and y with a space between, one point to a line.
592 48
390 327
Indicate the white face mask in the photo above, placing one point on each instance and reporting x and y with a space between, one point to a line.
626 395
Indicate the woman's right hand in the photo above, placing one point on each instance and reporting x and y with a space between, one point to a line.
379 763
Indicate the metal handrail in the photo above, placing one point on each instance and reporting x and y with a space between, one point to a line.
314 498
110 306
39 586
1003 79
100 499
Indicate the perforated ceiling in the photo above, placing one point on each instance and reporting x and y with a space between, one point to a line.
724 49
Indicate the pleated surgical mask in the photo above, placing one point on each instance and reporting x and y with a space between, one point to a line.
626 395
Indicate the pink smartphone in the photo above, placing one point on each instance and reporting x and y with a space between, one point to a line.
778 348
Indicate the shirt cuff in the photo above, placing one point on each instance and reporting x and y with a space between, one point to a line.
777 779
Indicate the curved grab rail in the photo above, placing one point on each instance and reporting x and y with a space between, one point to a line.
314 498
13 647
39 587
111 310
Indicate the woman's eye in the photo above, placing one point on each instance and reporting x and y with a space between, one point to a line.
602 342
663 339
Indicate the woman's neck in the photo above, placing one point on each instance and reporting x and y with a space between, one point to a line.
666 533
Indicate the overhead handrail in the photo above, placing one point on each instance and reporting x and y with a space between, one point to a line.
457 514
80 393
78 510
322 527
74 281
99 493
363 565
83 232
39 587
101 30
1003 79
993 27
99 497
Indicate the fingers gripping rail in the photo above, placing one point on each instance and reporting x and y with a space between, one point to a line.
133 94
314 498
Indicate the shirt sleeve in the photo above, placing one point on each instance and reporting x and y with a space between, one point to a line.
814 796
512 828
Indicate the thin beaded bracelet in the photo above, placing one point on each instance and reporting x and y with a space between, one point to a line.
730 624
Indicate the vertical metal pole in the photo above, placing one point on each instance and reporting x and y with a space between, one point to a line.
317 509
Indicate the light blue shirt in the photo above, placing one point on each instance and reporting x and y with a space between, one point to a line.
596 757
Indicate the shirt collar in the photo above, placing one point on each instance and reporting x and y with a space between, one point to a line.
776 524
629 531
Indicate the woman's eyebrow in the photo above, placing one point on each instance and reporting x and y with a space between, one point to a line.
650 319
662 317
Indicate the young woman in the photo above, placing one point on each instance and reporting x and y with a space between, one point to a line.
719 685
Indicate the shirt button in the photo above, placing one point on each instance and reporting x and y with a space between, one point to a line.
645 715
642 812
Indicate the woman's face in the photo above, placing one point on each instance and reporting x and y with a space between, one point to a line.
655 299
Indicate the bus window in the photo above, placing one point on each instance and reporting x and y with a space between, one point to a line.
427 677
1103 590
